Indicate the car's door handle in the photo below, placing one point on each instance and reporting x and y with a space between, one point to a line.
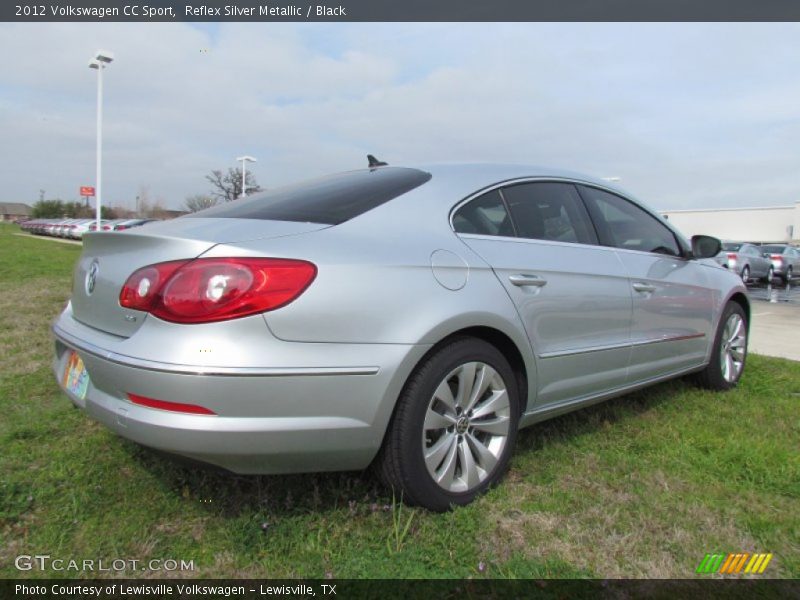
644 287
523 280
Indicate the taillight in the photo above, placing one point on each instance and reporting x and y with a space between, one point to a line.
141 290
193 409
216 289
120 227
106 227
776 257
733 255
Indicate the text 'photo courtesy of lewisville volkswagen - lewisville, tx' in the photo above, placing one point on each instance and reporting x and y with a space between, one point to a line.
374 302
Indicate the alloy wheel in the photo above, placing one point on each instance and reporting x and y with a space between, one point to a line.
466 427
733 347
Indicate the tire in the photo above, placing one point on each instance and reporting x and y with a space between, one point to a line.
727 365
745 274
787 278
770 276
468 449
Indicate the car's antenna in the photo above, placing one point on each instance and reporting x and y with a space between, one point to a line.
374 162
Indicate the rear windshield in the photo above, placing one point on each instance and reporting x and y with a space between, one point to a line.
330 200
773 249
731 247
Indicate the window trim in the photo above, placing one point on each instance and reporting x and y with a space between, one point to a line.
686 252
507 208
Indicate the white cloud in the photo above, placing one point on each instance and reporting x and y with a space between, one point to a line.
686 114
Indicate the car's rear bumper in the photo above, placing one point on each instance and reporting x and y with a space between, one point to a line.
268 420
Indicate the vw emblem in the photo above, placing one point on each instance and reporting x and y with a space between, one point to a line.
91 277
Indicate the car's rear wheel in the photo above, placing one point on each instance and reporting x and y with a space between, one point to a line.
454 428
770 275
729 354
787 278
746 274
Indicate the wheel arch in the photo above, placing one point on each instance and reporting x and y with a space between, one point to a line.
507 347
741 299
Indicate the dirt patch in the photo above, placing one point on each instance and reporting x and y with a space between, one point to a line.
613 531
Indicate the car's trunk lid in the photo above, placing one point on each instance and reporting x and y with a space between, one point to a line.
108 259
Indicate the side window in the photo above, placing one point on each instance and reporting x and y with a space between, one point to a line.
622 224
485 215
549 211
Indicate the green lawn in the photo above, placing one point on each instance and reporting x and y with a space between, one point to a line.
642 486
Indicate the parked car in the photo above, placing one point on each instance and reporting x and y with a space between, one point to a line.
63 228
93 224
412 319
81 227
785 260
130 223
747 260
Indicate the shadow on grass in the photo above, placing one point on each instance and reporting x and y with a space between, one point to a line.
227 494
590 419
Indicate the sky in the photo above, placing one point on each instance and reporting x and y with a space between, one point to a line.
687 115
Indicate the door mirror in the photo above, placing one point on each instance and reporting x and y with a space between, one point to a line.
705 246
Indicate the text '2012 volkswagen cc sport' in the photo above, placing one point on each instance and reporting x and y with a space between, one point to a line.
413 319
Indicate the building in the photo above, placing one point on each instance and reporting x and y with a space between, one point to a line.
11 211
758 224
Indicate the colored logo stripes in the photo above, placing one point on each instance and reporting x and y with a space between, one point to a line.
734 563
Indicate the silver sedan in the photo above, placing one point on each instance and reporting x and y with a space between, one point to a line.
747 260
412 319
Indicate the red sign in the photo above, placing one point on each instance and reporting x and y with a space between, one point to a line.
87 190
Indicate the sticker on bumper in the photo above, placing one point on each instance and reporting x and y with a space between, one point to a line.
75 379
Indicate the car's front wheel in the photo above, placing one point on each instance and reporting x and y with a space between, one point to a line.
729 352
454 427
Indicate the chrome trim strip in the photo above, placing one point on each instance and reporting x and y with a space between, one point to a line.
678 338
550 411
519 240
530 179
151 365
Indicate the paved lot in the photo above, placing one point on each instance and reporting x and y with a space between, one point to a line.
775 330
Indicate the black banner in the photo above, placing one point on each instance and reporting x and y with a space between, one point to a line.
401 10
442 589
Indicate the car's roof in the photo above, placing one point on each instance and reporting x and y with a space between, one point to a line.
473 176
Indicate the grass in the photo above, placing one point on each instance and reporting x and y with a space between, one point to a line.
641 486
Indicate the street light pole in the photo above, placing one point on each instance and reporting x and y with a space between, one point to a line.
99 157
99 62
245 160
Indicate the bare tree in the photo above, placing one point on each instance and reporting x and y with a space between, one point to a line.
228 186
143 201
199 202
157 210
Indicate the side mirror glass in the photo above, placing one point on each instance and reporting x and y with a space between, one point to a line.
705 246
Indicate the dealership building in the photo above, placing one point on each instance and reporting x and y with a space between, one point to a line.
758 224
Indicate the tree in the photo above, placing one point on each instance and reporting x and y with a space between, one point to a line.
228 186
48 209
199 202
